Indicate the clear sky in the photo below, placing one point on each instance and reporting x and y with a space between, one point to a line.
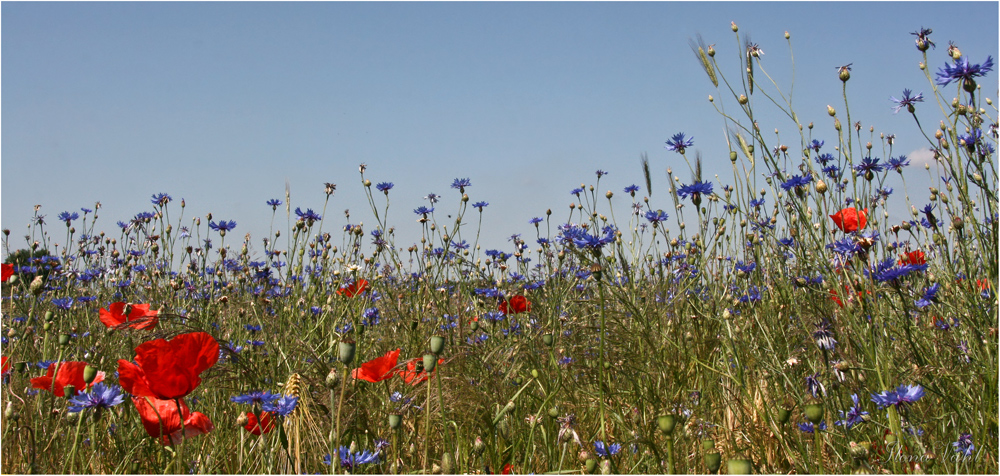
222 103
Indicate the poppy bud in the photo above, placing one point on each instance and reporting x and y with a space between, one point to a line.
346 352
606 466
64 339
957 222
821 186
830 110
535 373
591 465
242 420
437 345
929 459
89 373
430 361
740 466
734 27
732 156
712 462
547 339
47 326
49 315
9 413
814 412
395 421
666 423
465 197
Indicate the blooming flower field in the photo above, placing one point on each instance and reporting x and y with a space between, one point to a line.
776 323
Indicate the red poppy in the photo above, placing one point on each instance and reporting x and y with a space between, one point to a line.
377 370
4 365
913 257
169 369
507 469
138 316
266 419
6 271
353 289
983 284
68 373
411 376
162 421
850 219
847 292
518 304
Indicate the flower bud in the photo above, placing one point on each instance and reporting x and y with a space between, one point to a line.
36 287
395 421
740 466
845 74
591 465
547 339
743 99
70 390
666 424
734 27
831 111
814 412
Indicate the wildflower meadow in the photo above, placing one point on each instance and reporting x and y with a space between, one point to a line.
769 318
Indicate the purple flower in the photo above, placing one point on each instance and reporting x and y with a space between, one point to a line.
897 163
423 211
906 101
631 189
605 451
460 184
964 445
678 143
161 199
901 395
308 216
812 385
853 416
695 190
480 205
963 70
796 181
283 406
223 225
808 427
100 396
384 187
274 203
656 217
929 297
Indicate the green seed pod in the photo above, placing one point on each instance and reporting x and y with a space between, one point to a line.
395 421
666 423
708 444
89 373
814 412
474 326
64 339
69 391
72 417
430 361
332 379
831 111
591 465
554 412
49 315
783 415
20 366
732 156
740 466
346 354
547 339
712 462
605 466
535 373
46 326
437 345
845 74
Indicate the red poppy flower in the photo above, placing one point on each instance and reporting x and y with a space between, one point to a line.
507 469
411 376
162 421
68 373
913 257
850 219
6 271
169 369
983 284
517 305
138 316
377 370
266 420
847 291
4 365
354 289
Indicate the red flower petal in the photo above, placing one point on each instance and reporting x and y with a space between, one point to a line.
6 271
255 428
161 420
411 376
61 374
913 257
354 289
379 369
4 364
850 219
172 369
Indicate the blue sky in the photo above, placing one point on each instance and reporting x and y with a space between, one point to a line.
222 103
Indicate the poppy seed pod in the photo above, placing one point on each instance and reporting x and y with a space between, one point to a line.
49 315
591 465
346 354
89 373
332 379
712 462
814 412
740 466
708 444
666 423
547 339
69 390
474 326
430 361
783 415
437 345
395 421
64 339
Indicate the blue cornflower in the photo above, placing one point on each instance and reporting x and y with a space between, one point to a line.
853 416
657 216
223 226
460 184
63 303
371 317
161 199
929 297
255 397
964 445
678 143
906 101
274 203
576 191
579 237
99 397
68 217
432 197
816 145
85 210
423 211
565 361
605 451
796 182
695 190
384 187
901 395
845 247
600 173
787 241
308 216
535 221
631 189
349 460
824 337
963 70
824 159
480 205
886 271
813 385
869 164
970 139
252 328
808 427
922 41
283 406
